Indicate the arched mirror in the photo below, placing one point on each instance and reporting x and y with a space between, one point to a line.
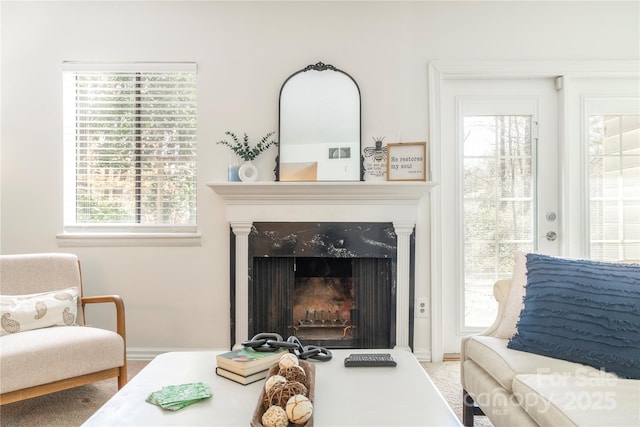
319 128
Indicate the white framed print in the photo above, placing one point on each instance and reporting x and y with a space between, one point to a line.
407 161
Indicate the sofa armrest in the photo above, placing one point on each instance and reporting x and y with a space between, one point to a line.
501 294
119 305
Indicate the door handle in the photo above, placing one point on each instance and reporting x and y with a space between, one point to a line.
551 236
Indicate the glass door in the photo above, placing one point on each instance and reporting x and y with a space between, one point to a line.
505 192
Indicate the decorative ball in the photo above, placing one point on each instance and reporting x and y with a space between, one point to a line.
273 380
299 409
288 359
294 373
281 392
275 416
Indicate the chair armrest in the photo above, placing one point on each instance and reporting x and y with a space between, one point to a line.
119 304
501 294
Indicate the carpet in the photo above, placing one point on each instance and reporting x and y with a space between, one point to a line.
70 408
64 408
446 377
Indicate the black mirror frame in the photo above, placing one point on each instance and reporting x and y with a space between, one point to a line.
320 66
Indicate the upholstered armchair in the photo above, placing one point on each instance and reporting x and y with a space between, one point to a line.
45 343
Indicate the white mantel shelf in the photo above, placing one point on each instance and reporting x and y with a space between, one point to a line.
340 193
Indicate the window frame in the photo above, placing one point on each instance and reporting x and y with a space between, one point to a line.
120 234
572 203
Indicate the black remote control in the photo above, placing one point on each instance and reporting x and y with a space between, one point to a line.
369 360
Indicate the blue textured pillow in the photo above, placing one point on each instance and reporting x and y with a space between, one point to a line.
582 311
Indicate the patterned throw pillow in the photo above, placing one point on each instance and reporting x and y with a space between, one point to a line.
21 313
582 311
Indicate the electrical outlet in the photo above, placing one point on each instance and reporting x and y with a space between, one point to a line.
422 307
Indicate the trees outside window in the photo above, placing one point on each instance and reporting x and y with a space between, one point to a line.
130 147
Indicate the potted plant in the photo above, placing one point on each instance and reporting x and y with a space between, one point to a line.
245 151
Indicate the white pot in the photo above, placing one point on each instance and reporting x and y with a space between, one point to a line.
248 172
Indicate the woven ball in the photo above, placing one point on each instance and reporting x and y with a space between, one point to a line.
294 373
273 380
299 409
287 359
275 416
280 393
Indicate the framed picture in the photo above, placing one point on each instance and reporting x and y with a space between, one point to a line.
407 161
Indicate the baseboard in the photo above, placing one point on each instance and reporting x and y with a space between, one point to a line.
149 353
423 355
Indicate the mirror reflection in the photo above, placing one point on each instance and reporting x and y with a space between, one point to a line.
319 126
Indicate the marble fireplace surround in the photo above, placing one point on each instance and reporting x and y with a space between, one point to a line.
395 202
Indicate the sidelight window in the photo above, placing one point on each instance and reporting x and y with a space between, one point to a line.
614 181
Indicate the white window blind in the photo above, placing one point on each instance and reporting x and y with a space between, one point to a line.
130 147
614 177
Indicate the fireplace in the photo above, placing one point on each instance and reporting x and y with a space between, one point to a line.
401 204
329 284
324 305
325 302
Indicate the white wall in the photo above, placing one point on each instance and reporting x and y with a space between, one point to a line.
178 297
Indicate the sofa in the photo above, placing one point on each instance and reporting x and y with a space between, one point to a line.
554 357
45 343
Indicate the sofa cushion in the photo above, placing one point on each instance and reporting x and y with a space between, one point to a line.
582 311
45 355
503 364
21 313
507 327
580 400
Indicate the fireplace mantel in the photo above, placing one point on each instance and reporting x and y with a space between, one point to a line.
395 202
339 193
322 201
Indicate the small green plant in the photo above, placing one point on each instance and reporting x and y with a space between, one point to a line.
244 150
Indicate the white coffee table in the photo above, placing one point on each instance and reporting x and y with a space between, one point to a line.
388 396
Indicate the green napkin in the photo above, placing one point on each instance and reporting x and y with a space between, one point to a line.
175 397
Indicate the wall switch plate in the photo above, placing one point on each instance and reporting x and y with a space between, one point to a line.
422 307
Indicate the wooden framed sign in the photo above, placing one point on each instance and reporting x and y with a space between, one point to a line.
407 161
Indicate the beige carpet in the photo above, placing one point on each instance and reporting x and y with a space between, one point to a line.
73 407
446 377
65 408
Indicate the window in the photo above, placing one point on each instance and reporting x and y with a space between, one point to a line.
130 147
498 206
614 165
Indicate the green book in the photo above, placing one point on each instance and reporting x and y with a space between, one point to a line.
247 361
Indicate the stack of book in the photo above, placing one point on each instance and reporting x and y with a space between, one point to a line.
246 365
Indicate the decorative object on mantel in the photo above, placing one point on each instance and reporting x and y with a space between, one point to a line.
319 126
234 165
407 161
247 172
375 157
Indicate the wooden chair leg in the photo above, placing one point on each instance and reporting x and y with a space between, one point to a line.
122 376
467 409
